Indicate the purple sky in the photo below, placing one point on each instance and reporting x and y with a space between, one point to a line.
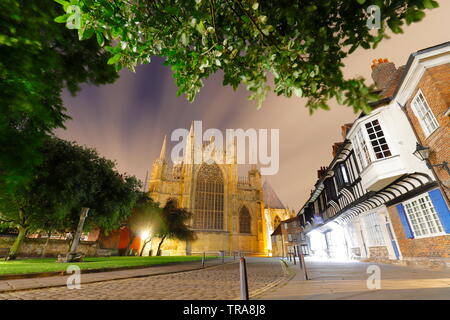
126 121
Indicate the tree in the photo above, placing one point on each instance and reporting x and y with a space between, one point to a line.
38 58
301 43
70 177
174 224
145 218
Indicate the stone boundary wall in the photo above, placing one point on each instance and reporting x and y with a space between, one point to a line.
32 247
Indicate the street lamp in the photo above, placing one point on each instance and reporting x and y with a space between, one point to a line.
423 153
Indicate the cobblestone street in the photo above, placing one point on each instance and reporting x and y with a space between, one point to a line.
221 282
267 279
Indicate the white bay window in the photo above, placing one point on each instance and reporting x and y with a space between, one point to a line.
369 143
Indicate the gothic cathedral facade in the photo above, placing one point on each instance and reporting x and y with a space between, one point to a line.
228 211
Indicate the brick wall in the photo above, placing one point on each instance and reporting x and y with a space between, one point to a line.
378 253
423 247
435 86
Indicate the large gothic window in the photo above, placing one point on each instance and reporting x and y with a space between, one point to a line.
244 221
208 211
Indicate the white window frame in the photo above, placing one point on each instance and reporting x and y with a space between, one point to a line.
362 142
344 173
421 110
361 150
414 226
371 150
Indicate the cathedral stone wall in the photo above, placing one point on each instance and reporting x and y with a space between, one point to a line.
218 198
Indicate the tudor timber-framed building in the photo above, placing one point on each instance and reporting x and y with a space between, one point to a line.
377 200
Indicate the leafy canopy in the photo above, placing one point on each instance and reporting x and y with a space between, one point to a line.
38 58
175 222
71 177
301 43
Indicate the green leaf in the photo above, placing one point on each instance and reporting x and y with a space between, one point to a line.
87 33
430 4
201 28
100 39
61 19
114 58
65 4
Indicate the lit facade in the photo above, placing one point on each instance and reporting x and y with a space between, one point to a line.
377 200
229 213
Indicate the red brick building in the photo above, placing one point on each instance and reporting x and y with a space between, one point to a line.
424 95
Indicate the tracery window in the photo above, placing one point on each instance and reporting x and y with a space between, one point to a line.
209 195
244 221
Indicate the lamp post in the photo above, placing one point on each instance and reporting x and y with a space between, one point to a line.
423 154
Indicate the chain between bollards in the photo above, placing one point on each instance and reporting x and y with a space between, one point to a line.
243 276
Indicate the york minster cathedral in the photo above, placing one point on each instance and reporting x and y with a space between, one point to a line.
230 213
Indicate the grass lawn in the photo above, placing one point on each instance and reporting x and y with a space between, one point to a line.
25 266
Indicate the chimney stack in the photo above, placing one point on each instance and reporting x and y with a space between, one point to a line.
321 172
382 71
345 128
336 147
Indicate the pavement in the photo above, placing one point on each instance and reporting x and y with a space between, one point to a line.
331 280
268 278
218 282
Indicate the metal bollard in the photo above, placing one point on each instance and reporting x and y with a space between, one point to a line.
243 276
293 256
234 255
203 260
223 257
304 267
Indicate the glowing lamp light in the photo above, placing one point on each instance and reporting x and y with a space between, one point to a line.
145 235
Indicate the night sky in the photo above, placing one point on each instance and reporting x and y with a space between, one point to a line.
126 121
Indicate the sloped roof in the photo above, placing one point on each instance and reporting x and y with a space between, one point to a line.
271 199
277 231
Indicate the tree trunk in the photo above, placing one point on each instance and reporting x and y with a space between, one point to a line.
46 244
17 243
130 242
158 252
143 247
